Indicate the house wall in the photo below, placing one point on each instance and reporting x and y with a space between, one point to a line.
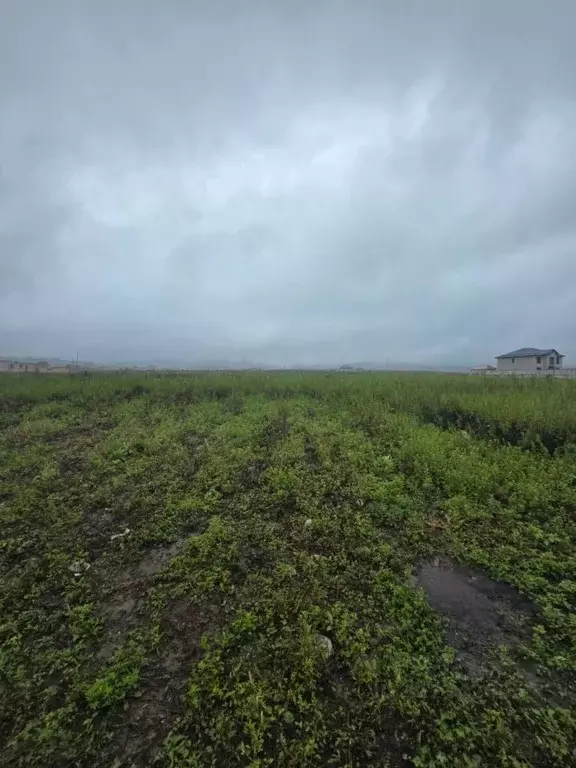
519 364
13 367
524 364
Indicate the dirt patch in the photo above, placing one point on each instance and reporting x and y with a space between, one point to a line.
184 621
97 528
100 518
153 710
148 717
158 558
72 464
87 435
121 614
125 607
74 449
481 614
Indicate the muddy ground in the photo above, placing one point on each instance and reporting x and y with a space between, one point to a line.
480 614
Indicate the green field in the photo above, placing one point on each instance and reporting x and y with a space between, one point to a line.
287 569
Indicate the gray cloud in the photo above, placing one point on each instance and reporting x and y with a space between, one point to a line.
303 182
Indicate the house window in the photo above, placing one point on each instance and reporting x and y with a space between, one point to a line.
513 360
551 361
558 360
538 361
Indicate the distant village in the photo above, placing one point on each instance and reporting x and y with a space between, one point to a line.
526 361
40 366
45 366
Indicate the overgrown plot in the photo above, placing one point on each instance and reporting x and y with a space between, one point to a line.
268 570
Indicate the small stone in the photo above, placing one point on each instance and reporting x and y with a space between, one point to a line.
79 567
308 522
325 645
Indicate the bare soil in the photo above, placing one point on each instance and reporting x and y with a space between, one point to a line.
151 711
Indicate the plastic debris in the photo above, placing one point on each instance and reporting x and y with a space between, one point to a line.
120 535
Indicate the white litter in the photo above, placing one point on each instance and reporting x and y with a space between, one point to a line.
120 535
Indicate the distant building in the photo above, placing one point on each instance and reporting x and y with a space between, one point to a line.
39 366
483 369
13 366
530 360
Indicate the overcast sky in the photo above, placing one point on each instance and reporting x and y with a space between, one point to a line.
289 182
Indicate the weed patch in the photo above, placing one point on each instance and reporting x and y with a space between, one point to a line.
287 569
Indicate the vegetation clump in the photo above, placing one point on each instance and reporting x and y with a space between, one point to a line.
287 569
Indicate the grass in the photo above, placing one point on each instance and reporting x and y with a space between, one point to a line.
223 570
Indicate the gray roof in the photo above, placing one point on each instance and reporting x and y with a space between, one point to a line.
530 352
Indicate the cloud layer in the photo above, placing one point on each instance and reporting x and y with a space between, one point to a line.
296 183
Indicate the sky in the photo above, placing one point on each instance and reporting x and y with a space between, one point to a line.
287 183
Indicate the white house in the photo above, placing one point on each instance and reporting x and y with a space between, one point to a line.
483 369
530 360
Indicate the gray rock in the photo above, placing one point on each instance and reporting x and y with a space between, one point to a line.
79 567
325 645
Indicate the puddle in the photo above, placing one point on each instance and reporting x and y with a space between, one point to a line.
481 614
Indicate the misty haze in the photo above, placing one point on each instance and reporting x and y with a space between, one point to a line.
287 183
